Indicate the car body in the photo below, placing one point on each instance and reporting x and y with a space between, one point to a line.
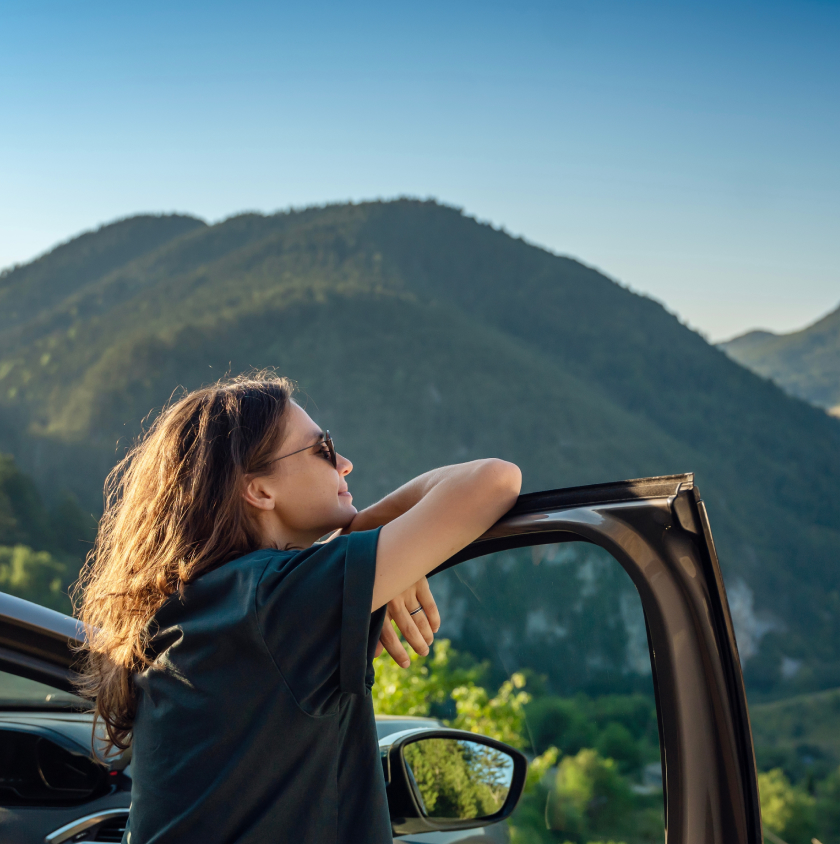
658 531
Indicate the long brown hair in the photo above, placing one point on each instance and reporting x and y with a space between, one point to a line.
172 512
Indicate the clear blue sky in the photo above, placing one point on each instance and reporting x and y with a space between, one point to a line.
689 150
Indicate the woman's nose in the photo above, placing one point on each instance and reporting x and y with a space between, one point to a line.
344 466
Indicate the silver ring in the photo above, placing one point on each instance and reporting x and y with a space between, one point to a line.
419 609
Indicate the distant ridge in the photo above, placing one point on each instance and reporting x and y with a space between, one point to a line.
26 291
421 337
806 363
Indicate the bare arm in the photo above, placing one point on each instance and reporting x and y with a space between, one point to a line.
432 517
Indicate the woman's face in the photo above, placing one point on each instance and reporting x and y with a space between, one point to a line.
304 497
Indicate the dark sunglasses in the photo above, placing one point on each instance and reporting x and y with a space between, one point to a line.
328 453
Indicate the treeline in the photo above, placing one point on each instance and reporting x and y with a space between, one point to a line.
595 775
42 546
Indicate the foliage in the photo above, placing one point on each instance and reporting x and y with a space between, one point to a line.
426 682
616 742
800 735
621 727
560 721
34 575
827 810
503 714
41 548
430 682
583 797
539 766
458 779
786 810
589 797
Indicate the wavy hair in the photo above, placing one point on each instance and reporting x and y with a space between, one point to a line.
172 512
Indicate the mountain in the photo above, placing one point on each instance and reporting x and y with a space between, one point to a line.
28 291
806 363
805 725
420 337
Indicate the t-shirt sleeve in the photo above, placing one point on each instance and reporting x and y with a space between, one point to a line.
313 610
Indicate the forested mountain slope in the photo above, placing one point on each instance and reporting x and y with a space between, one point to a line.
41 549
419 336
30 291
806 363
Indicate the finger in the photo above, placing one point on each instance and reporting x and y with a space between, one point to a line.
419 616
389 637
422 622
391 642
427 601
409 629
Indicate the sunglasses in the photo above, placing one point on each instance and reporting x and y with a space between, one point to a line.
326 446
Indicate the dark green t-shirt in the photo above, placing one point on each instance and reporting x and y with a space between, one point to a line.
255 723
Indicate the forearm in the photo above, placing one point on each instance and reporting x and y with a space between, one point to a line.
401 500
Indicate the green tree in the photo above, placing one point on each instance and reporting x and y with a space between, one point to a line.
562 722
828 809
617 742
458 779
427 681
41 548
786 810
34 575
437 679
590 797
501 716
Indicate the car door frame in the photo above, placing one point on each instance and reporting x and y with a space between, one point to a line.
658 530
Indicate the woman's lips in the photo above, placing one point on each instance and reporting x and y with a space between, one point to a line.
346 493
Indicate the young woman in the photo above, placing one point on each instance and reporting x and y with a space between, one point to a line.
230 648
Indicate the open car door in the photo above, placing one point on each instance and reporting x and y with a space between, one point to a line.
658 530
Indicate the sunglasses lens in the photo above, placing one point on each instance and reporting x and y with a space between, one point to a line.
331 448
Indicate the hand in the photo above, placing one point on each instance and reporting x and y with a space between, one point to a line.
418 629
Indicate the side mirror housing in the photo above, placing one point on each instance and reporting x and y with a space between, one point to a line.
441 779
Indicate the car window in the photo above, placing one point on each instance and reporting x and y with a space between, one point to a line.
551 645
21 692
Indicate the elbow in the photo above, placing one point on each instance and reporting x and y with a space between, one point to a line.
504 476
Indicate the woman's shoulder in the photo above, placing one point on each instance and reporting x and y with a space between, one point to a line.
239 573
229 583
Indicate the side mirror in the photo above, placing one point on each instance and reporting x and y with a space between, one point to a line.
440 779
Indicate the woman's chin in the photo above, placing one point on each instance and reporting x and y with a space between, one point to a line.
347 510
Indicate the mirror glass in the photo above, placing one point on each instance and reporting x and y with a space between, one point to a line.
456 779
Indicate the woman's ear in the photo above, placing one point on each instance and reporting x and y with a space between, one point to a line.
257 494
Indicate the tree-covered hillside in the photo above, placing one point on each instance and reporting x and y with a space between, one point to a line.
420 337
806 363
41 548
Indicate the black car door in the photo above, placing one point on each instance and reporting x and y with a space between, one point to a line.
657 529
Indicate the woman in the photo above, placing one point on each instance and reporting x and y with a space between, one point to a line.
230 647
